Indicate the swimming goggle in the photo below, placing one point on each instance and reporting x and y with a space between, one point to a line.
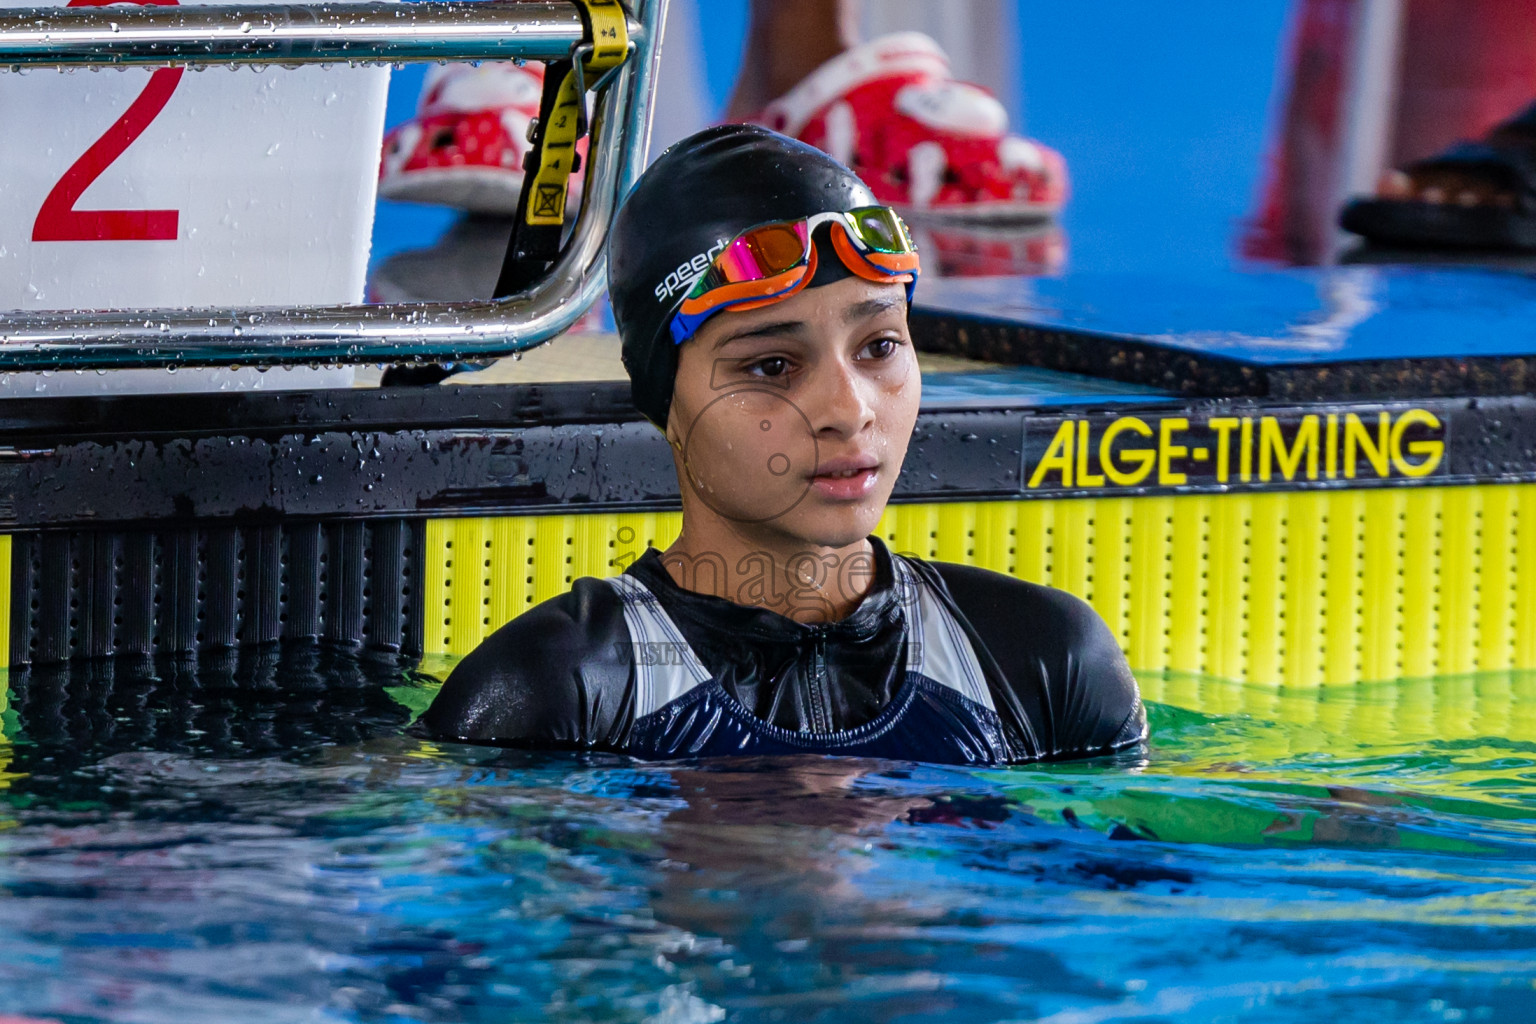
770 262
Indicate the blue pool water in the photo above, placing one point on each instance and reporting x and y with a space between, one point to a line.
257 840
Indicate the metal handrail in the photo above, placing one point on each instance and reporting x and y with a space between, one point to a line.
287 33
361 33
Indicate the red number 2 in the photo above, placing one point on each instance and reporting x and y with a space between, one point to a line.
59 221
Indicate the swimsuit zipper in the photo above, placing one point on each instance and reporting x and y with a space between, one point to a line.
821 717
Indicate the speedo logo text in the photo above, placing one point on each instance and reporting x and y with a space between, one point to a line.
687 273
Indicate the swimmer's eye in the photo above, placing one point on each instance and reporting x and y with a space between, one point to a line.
882 348
773 366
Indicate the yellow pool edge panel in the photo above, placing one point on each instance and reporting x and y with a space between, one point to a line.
1450 708
1304 588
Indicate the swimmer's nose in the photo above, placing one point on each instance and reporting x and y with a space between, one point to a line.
842 401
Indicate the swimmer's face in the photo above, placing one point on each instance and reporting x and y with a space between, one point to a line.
793 419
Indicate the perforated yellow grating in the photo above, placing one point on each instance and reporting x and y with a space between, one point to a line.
480 573
1302 588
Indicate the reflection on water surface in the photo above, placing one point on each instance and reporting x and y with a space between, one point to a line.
256 839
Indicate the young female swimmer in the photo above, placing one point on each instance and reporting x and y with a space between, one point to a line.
761 295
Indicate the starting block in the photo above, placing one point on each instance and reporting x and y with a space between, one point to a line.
171 187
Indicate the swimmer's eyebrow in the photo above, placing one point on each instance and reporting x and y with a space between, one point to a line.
855 313
764 330
870 308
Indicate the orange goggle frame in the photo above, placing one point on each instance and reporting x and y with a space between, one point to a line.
770 262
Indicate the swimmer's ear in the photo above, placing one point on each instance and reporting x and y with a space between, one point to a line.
672 433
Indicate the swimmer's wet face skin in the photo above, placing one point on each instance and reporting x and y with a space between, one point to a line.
789 424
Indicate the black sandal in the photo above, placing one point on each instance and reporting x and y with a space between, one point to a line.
1506 159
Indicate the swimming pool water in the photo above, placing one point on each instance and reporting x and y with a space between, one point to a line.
256 839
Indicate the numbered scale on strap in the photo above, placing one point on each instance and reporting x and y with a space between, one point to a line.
176 187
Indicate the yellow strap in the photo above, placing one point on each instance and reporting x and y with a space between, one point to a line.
610 35
546 203
609 44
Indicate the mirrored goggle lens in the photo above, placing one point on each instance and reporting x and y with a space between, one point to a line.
757 254
880 229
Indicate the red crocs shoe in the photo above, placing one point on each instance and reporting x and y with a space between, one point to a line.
924 142
466 145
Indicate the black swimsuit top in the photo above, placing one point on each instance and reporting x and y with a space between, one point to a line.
939 662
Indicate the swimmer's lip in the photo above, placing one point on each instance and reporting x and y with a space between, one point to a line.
848 464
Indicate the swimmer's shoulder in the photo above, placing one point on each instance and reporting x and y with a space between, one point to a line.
558 675
1067 679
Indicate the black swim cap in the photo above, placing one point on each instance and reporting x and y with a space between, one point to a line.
701 193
